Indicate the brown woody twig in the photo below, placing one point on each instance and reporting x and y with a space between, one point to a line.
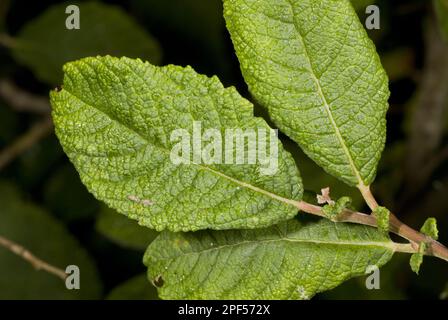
395 226
21 100
24 142
37 263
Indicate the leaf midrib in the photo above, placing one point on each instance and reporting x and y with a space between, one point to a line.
383 245
236 181
325 102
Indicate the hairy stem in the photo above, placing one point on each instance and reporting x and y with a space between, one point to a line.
368 197
397 227
32 259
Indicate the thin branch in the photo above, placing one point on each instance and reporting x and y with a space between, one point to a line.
397 227
37 263
24 142
368 196
21 100
427 120
346 215
434 163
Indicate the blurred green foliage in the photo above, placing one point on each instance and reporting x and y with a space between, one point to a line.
9 127
137 288
124 231
60 190
360 5
44 48
441 7
47 238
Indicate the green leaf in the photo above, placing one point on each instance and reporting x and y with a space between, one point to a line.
311 64
114 118
382 218
290 260
417 258
34 229
123 231
441 8
429 228
45 44
391 286
136 288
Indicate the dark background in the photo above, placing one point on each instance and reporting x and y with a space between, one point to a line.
412 177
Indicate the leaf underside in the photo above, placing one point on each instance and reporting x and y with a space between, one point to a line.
114 118
291 260
312 65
